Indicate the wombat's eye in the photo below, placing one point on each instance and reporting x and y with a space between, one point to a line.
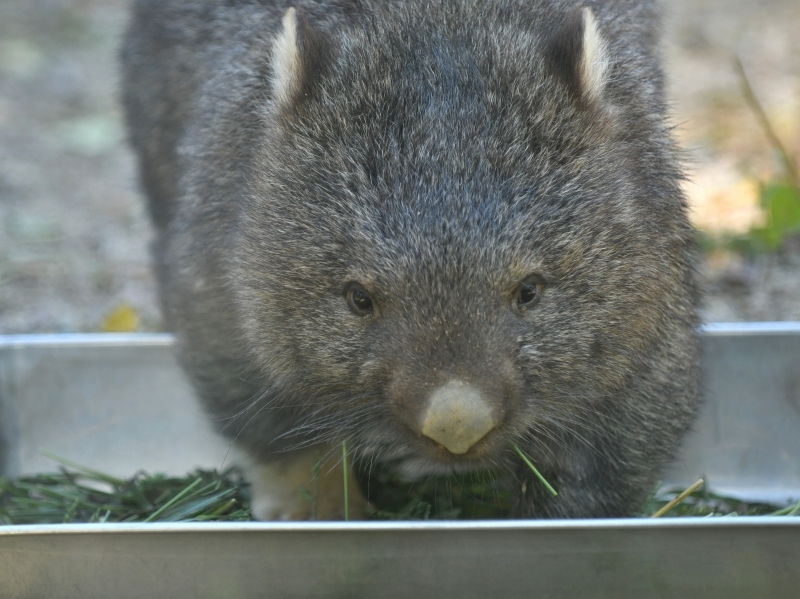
529 292
359 300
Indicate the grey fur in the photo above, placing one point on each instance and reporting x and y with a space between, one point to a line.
439 153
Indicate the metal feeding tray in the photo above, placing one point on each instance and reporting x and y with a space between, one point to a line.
119 403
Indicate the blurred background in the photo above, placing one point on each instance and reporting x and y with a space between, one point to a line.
74 232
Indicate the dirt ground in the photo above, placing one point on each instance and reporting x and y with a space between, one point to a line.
74 233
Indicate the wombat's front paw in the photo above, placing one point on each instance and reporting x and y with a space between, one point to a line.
288 489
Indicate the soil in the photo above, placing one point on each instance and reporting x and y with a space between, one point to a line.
74 233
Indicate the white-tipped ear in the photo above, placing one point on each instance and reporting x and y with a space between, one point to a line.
594 58
286 60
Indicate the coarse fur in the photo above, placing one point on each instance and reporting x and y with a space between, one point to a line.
436 153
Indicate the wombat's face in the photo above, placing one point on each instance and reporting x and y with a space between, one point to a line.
449 246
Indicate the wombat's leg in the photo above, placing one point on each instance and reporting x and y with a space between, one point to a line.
303 485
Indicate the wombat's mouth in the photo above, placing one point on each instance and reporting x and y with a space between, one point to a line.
454 423
412 455
435 460
422 456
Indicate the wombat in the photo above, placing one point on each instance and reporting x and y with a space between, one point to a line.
433 229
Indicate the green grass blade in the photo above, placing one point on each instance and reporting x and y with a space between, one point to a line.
535 471
346 490
118 482
173 501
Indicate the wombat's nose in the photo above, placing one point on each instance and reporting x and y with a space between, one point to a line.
457 416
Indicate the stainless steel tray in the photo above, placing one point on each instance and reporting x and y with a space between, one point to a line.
119 403
725 558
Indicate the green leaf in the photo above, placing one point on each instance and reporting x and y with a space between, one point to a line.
782 205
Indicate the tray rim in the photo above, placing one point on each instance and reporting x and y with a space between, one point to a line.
714 329
583 525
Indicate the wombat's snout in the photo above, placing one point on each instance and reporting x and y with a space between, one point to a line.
458 416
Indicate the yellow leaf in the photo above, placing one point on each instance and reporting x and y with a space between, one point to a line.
122 319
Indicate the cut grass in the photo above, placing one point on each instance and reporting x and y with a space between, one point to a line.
83 495
79 494
482 495
704 503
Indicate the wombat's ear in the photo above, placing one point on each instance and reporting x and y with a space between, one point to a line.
297 55
578 55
